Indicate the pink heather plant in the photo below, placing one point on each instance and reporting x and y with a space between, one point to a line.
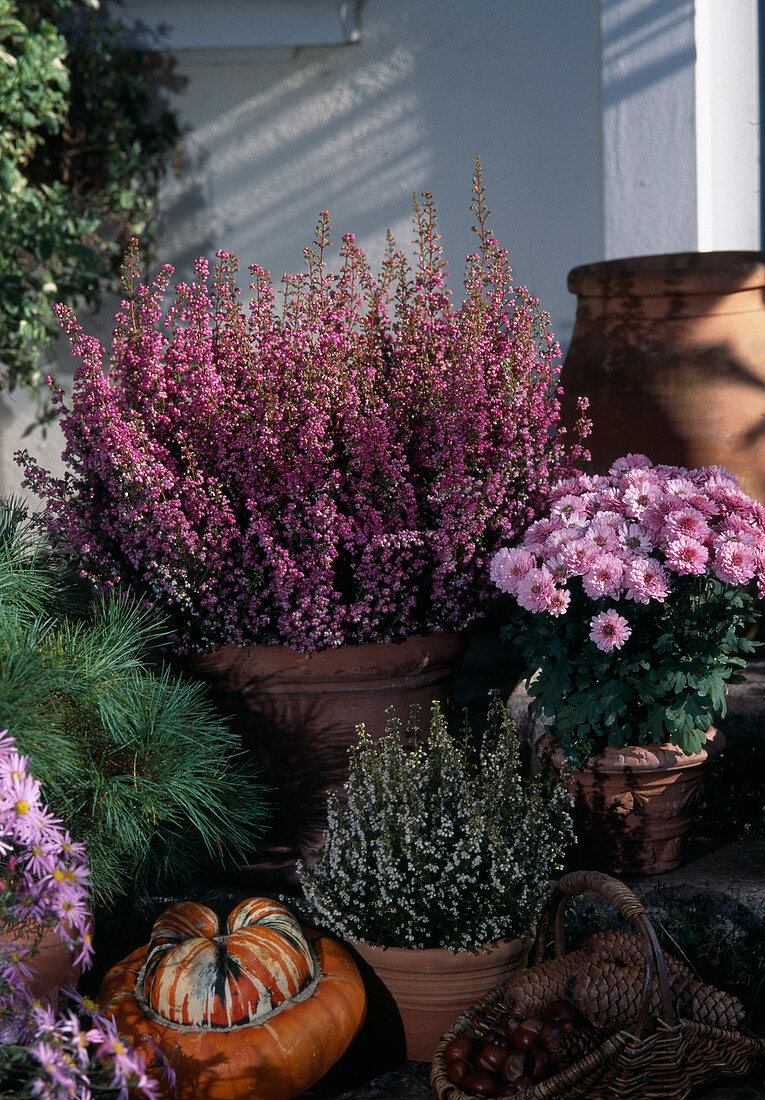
633 591
336 469
46 1052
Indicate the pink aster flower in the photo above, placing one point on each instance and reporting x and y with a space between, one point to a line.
536 589
686 555
609 630
646 579
604 576
734 562
508 566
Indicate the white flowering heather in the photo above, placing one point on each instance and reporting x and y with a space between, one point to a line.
438 845
634 590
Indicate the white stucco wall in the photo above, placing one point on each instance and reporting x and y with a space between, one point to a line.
278 134
605 128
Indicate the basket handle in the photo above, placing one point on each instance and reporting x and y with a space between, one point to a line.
630 909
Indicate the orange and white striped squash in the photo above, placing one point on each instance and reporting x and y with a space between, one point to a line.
262 1010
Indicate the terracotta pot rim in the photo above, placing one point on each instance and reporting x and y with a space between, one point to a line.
635 758
418 652
495 947
659 274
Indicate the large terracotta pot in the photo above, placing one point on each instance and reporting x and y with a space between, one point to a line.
415 995
297 715
670 350
51 963
634 807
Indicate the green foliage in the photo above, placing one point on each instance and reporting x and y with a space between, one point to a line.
81 156
133 760
436 848
663 687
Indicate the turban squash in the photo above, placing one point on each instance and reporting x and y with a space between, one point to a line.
261 1011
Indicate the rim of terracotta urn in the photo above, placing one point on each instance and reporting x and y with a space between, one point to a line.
400 958
632 758
660 274
417 653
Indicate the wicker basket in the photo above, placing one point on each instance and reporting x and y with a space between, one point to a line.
654 1030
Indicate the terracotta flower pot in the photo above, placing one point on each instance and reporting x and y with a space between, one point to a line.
297 715
415 995
51 963
670 350
634 807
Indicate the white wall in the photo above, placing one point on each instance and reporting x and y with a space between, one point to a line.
605 128
279 135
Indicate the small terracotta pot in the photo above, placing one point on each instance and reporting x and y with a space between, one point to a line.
51 963
634 807
297 714
415 995
670 350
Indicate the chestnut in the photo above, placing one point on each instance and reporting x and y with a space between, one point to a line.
494 1035
461 1047
458 1069
507 1088
481 1082
492 1057
510 1024
525 1035
525 1083
539 1062
514 1066
558 1010
552 1031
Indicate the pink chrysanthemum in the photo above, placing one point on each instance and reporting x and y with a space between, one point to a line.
557 566
687 521
609 630
537 533
630 462
686 555
734 562
603 534
558 602
508 566
578 554
570 509
680 486
604 576
646 579
635 539
639 496
536 589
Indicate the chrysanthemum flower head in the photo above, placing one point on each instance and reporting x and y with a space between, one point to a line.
609 630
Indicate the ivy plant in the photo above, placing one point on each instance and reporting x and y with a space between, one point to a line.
83 146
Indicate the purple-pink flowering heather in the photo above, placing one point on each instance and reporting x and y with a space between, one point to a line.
634 590
46 1050
335 463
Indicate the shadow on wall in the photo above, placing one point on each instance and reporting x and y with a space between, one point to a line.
278 142
643 42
